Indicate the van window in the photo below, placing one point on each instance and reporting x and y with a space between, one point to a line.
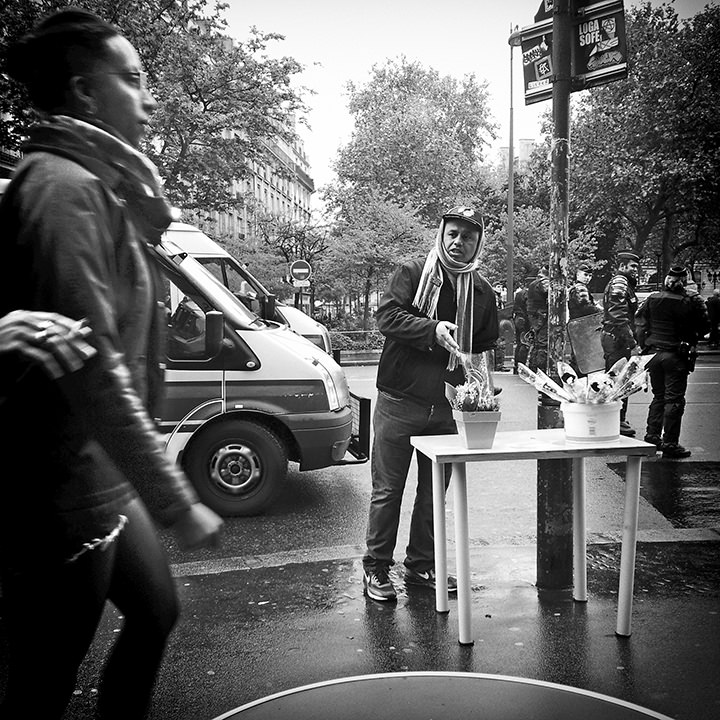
231 278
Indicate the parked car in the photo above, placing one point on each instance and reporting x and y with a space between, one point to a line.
244 285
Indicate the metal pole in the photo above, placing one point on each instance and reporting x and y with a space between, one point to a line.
511 186
554 508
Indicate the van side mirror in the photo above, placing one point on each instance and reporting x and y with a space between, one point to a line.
269 307
214 332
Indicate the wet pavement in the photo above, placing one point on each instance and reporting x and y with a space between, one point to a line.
283 607
250 633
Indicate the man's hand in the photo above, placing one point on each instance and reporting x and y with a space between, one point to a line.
444 336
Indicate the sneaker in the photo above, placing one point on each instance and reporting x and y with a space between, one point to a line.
654 440
625 429
427 579
377 585
674 451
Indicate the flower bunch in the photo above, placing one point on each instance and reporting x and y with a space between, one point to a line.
471 397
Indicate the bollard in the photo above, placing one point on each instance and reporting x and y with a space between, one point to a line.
554 512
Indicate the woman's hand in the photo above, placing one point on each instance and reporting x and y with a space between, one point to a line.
54 342
198 527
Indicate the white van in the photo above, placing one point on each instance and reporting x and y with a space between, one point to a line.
244 396
245 286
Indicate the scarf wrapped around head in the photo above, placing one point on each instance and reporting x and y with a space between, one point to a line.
431 280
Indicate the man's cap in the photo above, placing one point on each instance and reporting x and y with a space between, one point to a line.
464 212
678 271
628 256
585 267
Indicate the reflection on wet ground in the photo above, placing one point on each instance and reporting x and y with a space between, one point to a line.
686 493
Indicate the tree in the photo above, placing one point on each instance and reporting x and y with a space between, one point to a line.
645 149
368 242
219 101
418 137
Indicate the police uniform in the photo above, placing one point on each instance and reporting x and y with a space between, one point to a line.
669 324
520 321
537 311
580 301
620 303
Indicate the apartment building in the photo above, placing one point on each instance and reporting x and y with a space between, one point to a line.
281 187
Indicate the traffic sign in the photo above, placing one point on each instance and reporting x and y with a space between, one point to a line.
300 270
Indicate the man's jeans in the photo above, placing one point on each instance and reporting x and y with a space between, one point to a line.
395 421
668 378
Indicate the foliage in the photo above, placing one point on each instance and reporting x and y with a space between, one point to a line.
219 102
645 154
471 397
370 238
418 138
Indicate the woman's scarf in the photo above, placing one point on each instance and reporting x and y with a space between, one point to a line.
94 147
431 280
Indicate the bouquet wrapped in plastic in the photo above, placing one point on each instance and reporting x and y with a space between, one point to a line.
477 393
623 379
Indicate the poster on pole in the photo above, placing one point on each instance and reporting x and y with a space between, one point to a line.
599 50
537 62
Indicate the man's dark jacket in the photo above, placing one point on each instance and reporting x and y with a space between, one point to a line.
412 365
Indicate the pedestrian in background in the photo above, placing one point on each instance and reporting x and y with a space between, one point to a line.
432 309
537 311
620 304
713 308
74 528
669 323
520 323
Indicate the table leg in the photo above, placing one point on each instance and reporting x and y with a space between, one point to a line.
579 531
440 538
462 549
627 550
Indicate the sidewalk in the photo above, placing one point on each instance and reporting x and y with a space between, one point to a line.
257 624
247 633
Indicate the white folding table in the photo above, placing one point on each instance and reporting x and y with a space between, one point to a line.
531 445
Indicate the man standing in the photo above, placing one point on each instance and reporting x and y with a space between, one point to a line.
669 323
537 310
581 304
620 304
432 309
520 321
713 308
580 301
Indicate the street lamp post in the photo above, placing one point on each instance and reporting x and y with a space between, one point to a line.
514 40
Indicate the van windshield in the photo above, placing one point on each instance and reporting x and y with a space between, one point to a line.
193 279
241 284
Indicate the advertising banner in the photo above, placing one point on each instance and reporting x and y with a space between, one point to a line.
598 49
537 62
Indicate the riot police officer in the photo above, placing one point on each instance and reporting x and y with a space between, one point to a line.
670 323
620 304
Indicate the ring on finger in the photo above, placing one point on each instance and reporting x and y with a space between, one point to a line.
41 336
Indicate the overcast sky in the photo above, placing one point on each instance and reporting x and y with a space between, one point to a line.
338 41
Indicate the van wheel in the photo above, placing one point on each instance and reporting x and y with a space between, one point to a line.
237 468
